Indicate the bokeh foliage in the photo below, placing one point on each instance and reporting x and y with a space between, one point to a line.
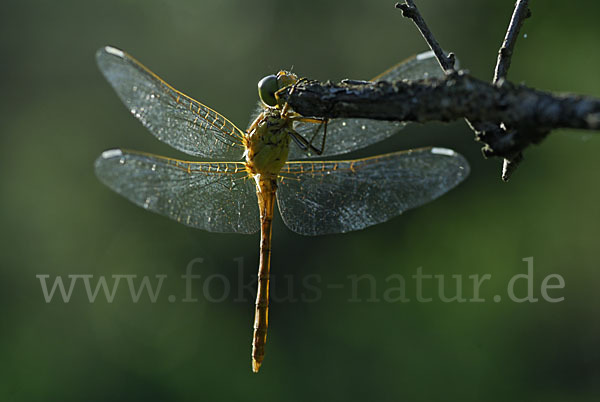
58 114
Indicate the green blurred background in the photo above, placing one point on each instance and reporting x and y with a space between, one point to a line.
58 114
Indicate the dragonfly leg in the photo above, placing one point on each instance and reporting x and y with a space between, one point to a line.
285 108
302 142
258 119
308 144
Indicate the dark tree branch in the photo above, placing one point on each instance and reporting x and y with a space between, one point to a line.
511 117
525 114
505 117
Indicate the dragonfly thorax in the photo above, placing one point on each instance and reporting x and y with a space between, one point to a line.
267 144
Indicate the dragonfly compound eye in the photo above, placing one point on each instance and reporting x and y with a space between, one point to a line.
286 78
266 90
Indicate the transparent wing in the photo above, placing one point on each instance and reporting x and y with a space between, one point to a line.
170 115
340 196
214 196
345 135
420 66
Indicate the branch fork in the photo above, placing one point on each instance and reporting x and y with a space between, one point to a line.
505 117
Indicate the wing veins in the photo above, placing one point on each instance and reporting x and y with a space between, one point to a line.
170 91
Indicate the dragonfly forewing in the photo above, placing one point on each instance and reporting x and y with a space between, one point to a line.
325 197
170 115
214 196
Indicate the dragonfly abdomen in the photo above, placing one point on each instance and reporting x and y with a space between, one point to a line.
265 192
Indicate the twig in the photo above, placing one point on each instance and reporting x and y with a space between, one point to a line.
410 10
509 165
520 13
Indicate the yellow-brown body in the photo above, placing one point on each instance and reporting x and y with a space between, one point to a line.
267 144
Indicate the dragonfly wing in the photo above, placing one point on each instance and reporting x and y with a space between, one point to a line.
345 135
340 196
170 115
418 67
214 196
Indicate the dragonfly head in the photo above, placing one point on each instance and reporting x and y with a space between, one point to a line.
271 84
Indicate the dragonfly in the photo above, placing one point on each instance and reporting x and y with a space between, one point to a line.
243 173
